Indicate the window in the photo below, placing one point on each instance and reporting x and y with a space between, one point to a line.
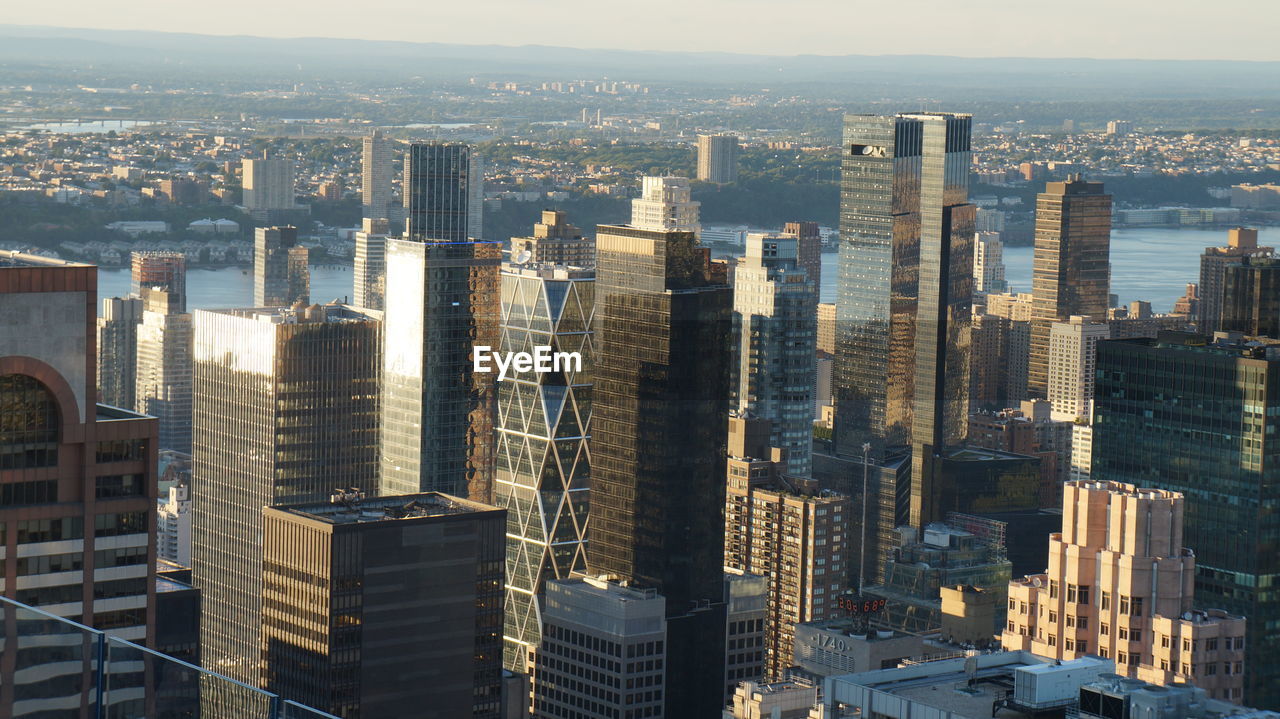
1135 634
1122 633
1053 640
1122 658
1053 616
1082 646
1082 594
1124 604
111 525
1105 600
1105 630
1137 607
1069 645
1071 620
1211 644
29 423
1071 592
1164 665
1104 652
1053 589
1082 622
50 530
1210 669
1010 627
119 485
1164 641
38 492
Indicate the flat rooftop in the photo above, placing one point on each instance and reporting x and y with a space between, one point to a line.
302 314
345 508
13 258
106 413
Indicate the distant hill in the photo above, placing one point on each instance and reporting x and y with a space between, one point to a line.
898 76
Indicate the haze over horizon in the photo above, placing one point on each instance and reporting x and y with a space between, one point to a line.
1096 29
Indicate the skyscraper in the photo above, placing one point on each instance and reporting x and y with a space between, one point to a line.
387 607
377 171
164 270
1241 242
268 184
370 265
1071 269
556 241
658 442
665 204
118 350
787 530
285 410
281 275
1072 348
718 158
988 263
77 479
1180 414
906 271
775 327
163 373
808 250
1251 297
442 299
543 464
1120 585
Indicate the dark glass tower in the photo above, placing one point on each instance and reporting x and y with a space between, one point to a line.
1071 272
1251 297
1182 414
281 275
663 322
441 300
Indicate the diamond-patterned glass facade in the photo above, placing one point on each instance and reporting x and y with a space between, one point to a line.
543 464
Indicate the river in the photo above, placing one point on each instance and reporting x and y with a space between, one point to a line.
1146 264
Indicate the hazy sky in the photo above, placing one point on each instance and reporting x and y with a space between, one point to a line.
1172 29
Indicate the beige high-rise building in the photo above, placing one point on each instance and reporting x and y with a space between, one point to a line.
718 158
786 529
1071 359
1242 242
1001 345
1071 270
664 205
370 260
377 172
268 184
163 369
1120 585
827 327
554 241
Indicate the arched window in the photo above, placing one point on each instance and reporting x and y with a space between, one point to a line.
29 423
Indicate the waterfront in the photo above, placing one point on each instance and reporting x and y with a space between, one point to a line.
1146 264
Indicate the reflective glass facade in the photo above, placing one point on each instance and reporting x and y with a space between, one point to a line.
1180 414
661 399
285 410
281 275
905 281
441 300
1071 271
543 459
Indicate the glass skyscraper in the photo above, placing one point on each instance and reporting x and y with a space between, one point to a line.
1181 413
543 461
1071 271
285 410
281 275
660 407
441 300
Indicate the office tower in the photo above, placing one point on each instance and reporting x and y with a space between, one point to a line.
786 529
163 373
822 394
664 205
746 598
827 327
604 652
1251 298
377 171
443 192
1242 242
844 646
990 370
988 263
774 315
543 466
268 184
906 268
1072 348
718 158
989 220
173 526
663 321
442 300
163 270
285 410
118 350
1179 414
555 241
1071 269
387 607
281 275
1120 585
370 265
808 250
77 479
1033 431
